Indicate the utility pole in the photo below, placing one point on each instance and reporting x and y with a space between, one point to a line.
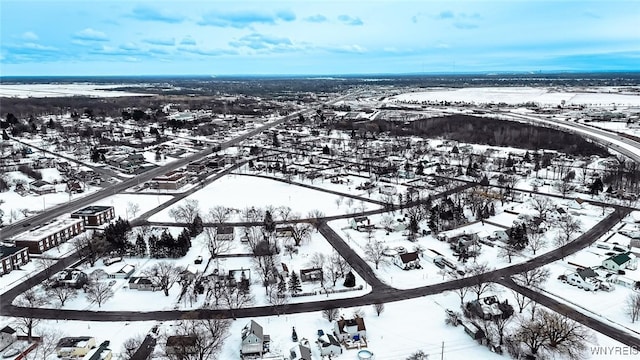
442 352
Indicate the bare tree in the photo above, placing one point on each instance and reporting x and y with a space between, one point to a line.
386 222
163 274
185 212
265 265
460 291
315 216
133 209
235 297
330 314
215 245
300 232
378 308
542 205
284 212
206 339
131 345
91 247
336 267
374 251
349 202
568 227
219 214
534 278
99 292
537 241
62 293
30 299
508 251
338 201
632 306
418 355
550 334
47 344
481 283
25 212
251 214
45 264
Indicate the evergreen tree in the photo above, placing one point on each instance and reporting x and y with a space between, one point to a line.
154 248
294 284
596 187
420 168
182 244
196 227
269 224
276 141
349 280
141 246
282 286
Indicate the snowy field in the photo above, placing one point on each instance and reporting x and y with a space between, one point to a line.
62 90
240 192
519 95
124 203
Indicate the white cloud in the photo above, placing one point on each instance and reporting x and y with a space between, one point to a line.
29 35
90 34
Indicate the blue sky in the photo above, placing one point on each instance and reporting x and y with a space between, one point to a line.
117 37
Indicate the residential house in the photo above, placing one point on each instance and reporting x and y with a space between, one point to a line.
8 336
224 233
124 272
181 345
254 341
12 257
71 278
313 274
329 345
189 273
102 352
75 347
407 261
349 329
284 231
41 187
473 330
95 215
489 308
586 279
141 283
620 262
300 352
360 223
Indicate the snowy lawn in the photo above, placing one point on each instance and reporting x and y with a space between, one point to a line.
240 192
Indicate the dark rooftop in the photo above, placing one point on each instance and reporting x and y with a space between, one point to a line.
91 210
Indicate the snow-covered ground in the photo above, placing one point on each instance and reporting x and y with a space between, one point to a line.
240 192
520 95
60 90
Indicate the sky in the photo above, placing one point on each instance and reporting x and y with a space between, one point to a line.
316 37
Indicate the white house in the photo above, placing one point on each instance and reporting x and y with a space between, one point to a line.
586 279
352 329
329 345
407 261
253 339
620 262
124 272
300 352
8 336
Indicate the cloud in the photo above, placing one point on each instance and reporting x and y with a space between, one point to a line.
145 13
316 18
29 52
447 14
29 35
461 20
206 52
90 34
591 14
160 42
244 19
465 25
348 49
257 41
188 41
348 20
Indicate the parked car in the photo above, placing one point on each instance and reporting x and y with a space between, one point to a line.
198 260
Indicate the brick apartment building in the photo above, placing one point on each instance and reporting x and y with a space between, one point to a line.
95 215
49 235
12 257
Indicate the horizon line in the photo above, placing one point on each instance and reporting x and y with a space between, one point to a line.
284 75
